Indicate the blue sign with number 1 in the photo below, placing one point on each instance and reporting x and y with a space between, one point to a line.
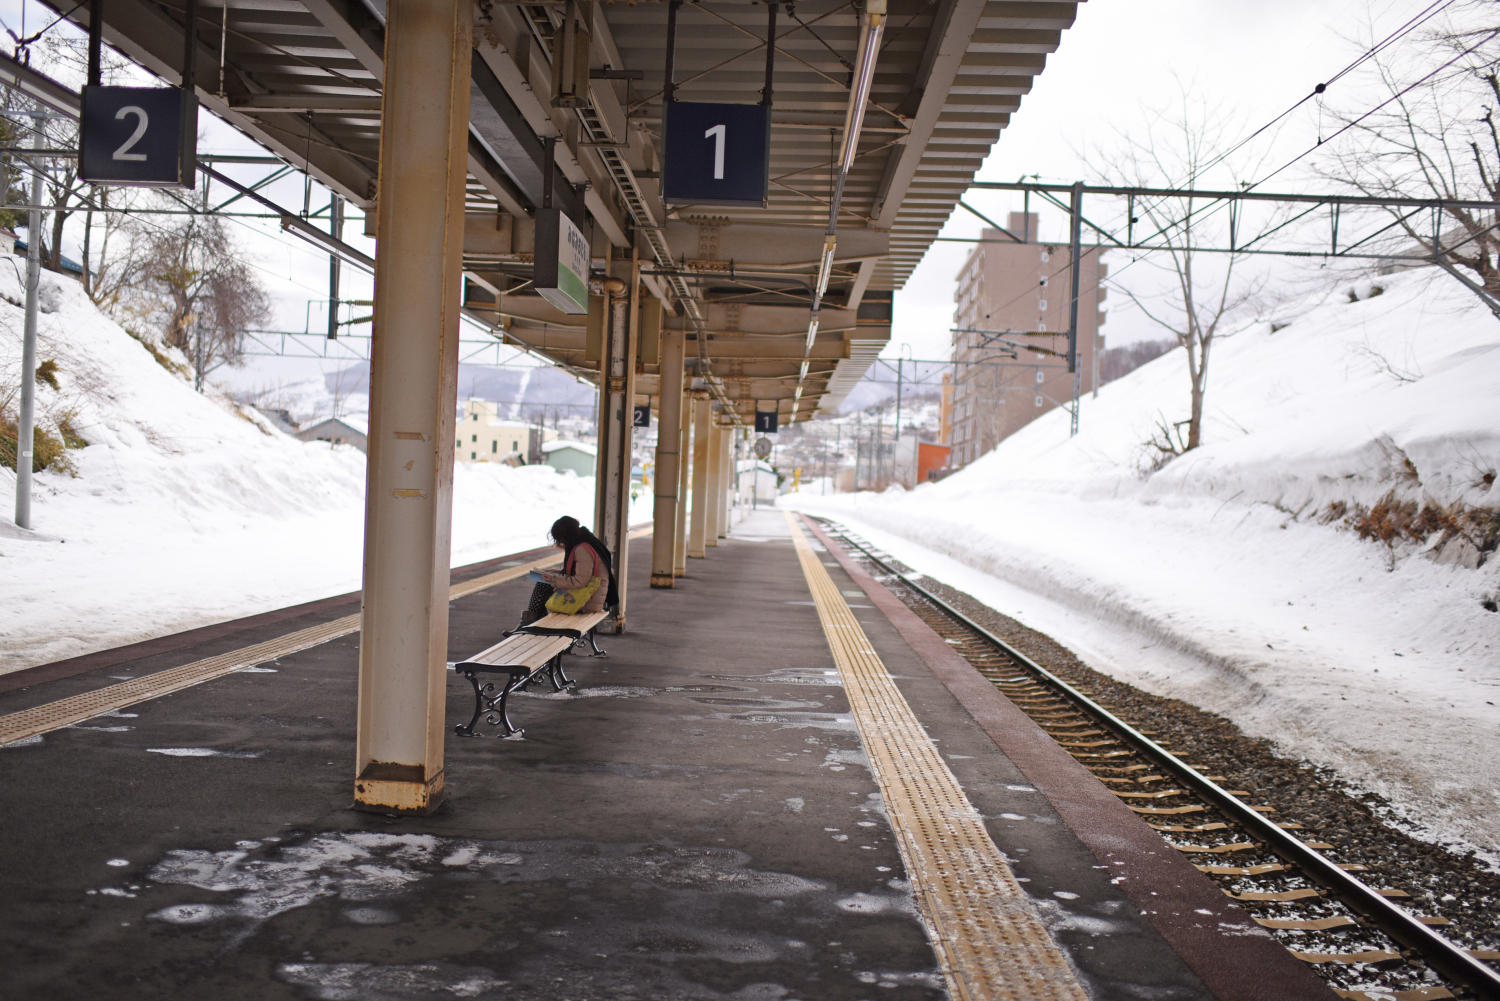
716 154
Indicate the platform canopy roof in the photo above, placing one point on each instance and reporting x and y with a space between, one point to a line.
303 78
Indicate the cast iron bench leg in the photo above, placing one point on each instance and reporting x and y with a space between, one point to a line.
492 707
559 677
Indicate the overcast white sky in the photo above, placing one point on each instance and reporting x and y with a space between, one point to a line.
1251 59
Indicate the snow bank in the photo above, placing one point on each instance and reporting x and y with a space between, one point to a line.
187 510
1229 578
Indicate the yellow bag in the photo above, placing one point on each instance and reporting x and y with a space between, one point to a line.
572 602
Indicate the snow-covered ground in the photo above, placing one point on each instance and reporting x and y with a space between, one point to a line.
1230 579
186 510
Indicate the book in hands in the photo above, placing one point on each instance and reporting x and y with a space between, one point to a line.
537 576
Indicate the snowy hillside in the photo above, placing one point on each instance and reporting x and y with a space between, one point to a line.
1313 571
183 510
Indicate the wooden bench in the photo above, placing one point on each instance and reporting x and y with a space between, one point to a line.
524 656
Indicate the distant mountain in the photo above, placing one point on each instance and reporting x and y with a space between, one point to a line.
918 380
527 391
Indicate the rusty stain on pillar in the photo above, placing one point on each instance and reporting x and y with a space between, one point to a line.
713 529
679 537
668 443
413 394
698 516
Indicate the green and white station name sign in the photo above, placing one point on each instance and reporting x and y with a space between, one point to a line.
562 261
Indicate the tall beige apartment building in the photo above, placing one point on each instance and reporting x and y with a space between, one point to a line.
1022 287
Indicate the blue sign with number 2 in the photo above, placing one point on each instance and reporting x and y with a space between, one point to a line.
716 154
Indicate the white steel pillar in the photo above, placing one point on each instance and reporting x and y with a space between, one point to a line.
698 517
413 393
726 478
713 524
616 429
679 535
668 458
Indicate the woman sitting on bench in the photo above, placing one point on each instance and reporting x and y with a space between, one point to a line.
586 582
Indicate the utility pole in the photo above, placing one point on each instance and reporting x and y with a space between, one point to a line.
336 230
1075 242
26 424
896 455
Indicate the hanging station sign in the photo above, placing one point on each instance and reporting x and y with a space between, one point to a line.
139 136
716 154
765 421
642 415
561 274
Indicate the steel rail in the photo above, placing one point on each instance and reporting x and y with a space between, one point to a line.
1444 956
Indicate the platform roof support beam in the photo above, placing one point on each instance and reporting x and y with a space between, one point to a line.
413 395
698 517
711 529
669 426
684 466
616 431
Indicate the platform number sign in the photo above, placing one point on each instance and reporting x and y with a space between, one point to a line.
716 154
765 421
642 417
139 136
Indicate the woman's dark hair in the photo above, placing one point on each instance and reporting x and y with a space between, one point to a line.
566 532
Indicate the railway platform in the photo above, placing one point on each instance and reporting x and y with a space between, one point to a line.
779 784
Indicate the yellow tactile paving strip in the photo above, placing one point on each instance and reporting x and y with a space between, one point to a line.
66 712
989 940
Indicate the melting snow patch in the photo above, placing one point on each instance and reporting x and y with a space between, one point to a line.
836 760
32 741
365 869
258 670
795 803
117 862
884 903
190 914
368 982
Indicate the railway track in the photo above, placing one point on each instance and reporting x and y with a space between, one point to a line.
1366 939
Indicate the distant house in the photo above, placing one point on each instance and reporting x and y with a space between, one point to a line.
574 455
338 431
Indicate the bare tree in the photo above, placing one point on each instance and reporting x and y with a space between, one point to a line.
1432 134
1203 295
198 293
113 266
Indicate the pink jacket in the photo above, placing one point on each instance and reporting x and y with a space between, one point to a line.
584 565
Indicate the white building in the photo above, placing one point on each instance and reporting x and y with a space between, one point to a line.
483 437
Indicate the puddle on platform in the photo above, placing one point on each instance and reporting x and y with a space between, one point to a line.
610 920
787 676
763 704
599 692
201 752
792 720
